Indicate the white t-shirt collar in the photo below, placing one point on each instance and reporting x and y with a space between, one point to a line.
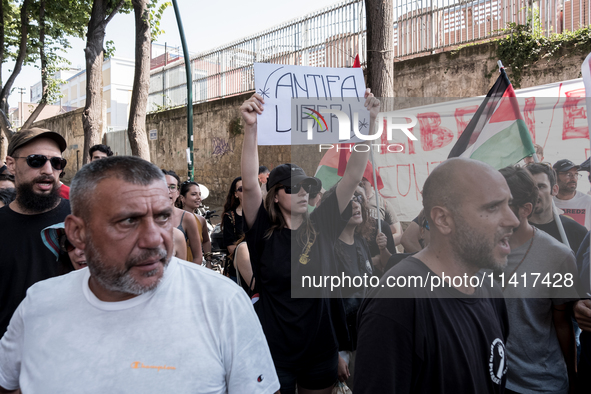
130 303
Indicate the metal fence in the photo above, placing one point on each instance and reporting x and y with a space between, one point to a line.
334 36
328 38
431 26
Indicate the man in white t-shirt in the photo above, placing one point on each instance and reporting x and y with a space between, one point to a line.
137 320
576 205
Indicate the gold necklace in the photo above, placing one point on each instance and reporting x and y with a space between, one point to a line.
304 257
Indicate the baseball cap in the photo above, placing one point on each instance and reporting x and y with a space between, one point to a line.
287 175
585 166
23 137
317 188
564 165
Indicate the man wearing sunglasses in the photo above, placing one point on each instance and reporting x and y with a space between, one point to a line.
35 158
576 205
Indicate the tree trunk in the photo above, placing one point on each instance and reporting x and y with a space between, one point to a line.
43 58
1 39
18 65
136 129
92 119
380 47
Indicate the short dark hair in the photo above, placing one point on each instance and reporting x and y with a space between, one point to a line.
101 148
263 169
7 177
174 175
7 195
541 168
522 185
130 169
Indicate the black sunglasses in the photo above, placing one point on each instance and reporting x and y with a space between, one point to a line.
38 161
295 189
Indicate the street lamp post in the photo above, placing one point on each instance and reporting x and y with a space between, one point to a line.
189 91
21 91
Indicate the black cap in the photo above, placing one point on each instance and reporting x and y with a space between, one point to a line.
316 188
288 175
564 165
585 166
23 137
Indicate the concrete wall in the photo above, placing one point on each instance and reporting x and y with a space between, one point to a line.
217 150
473 70
469 72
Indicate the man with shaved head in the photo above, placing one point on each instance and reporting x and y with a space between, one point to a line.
433 324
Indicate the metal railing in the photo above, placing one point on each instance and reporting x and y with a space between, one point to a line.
328 38
334 36
437 25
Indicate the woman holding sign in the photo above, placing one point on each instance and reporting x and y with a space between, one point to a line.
287 245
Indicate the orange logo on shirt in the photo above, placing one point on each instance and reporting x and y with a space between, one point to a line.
138 365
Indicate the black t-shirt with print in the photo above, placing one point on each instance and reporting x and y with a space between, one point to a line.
298 330
430 343
24 260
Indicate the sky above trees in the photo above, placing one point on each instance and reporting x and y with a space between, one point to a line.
207 25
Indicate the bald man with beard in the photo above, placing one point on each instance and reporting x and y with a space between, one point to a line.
449 339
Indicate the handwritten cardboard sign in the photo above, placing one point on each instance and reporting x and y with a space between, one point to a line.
316 88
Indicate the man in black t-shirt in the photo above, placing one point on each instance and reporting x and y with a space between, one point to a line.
35 158
543 215
414 338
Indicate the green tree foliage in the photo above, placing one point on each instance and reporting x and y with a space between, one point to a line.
526 44
157 8
37 32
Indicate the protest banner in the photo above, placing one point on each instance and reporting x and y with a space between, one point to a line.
318 89
555 115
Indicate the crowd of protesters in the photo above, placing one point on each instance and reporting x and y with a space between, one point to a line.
106 287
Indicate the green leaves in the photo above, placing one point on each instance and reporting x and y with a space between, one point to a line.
109 49
526 44
156 12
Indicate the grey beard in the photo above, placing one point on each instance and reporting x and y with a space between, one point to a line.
119 279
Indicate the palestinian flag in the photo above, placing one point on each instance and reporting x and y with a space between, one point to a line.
497 134
332 167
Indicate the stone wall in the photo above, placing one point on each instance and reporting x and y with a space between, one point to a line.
472 71
218 137
217 144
